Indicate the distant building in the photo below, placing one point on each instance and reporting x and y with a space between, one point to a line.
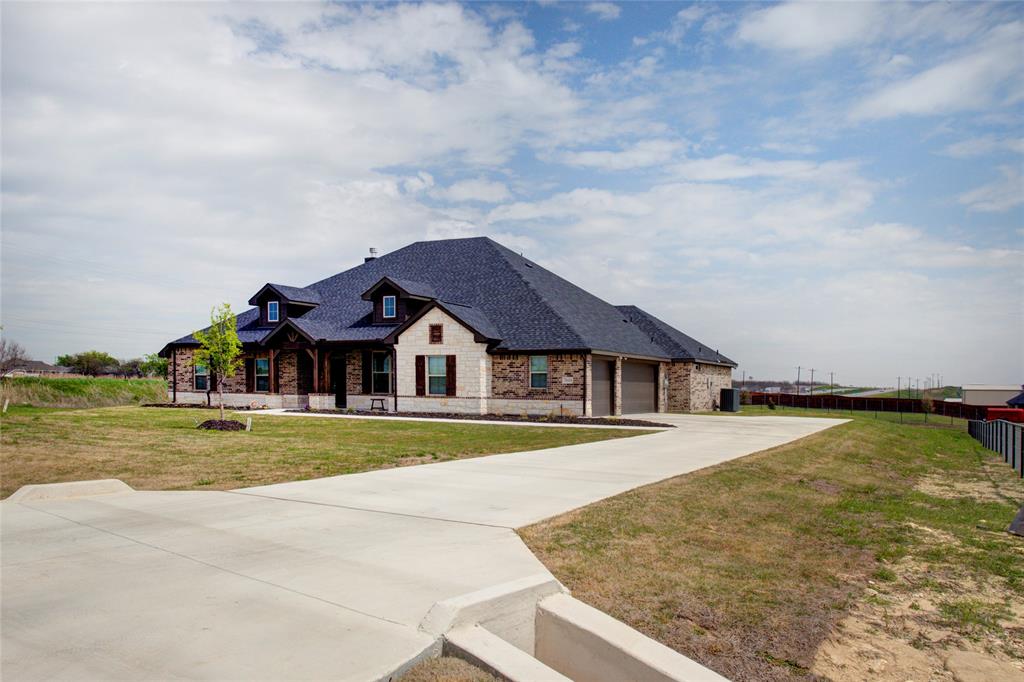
988 394
37 368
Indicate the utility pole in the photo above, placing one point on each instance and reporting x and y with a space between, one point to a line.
798 379
832 383
812 381
744 383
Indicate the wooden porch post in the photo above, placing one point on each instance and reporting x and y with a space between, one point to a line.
272 377
316 370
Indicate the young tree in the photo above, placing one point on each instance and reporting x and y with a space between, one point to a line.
90 363
154 366
11 355
219 350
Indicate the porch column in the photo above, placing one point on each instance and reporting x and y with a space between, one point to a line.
271 379
316 370
618 387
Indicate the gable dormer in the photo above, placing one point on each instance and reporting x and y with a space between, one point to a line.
277 303
395 300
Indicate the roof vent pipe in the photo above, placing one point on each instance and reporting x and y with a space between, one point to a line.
372 256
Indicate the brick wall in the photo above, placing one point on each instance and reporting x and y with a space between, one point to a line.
354 372
285 367
695 387
510 378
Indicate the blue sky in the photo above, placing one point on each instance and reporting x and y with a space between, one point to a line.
829 185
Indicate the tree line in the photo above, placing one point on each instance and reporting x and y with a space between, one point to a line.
95 363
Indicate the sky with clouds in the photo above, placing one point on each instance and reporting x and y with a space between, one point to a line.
829 185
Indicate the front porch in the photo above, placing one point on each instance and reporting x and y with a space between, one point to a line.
294 375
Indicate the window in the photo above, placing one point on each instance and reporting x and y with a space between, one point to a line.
263 374
389 306
437 375
381 371
538 371
201 378
273 314
437 333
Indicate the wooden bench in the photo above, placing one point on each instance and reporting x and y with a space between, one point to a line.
374 402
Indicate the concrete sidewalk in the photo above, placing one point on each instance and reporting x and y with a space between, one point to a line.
328 578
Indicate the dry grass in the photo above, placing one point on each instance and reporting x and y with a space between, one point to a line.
81 391
749 566
160 449
447 669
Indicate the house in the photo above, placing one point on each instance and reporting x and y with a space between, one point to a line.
988 394
457 325
37 368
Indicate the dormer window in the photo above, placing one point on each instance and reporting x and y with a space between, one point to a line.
388 303
273 315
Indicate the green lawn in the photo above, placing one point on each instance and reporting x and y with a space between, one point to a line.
160 449
81 391
894 530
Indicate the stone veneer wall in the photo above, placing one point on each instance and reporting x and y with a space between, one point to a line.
472 366
696 387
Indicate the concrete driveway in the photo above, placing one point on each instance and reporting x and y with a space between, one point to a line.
327 578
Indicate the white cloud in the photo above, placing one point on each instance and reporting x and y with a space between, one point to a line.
814 29
606 11
968 82
998 196
478 189
640 155
980 146
811 28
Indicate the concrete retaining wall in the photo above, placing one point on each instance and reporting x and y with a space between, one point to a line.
583 643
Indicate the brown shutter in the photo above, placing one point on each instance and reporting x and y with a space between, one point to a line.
367 372
250 375
421 375
449 380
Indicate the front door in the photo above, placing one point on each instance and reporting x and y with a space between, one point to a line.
338 383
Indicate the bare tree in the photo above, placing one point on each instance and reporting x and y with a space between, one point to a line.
11 355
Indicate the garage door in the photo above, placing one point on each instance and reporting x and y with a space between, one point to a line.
601 377
639 386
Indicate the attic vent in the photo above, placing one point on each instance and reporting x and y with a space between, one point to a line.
528 264
372 256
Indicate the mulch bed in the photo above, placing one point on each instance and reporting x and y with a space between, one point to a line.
222 425
187 406
587 421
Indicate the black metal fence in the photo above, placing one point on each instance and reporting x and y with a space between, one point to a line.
1004 437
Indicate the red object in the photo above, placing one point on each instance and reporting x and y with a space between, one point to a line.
1010 414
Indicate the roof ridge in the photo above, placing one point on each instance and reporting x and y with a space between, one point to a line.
499 248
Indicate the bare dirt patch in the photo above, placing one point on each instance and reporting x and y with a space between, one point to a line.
447 669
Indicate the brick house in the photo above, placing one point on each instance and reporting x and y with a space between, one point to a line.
457 325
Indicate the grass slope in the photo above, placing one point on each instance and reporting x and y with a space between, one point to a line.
81 391
160 449
748 566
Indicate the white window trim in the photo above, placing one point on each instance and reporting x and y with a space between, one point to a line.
384 307
256 375
546 373
277 309
444 374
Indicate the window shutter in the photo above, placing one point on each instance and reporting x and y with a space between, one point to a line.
250 375
449 370
367 372
421 375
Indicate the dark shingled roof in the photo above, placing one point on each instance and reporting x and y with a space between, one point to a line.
1016 401
678 345
290 294
501 294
